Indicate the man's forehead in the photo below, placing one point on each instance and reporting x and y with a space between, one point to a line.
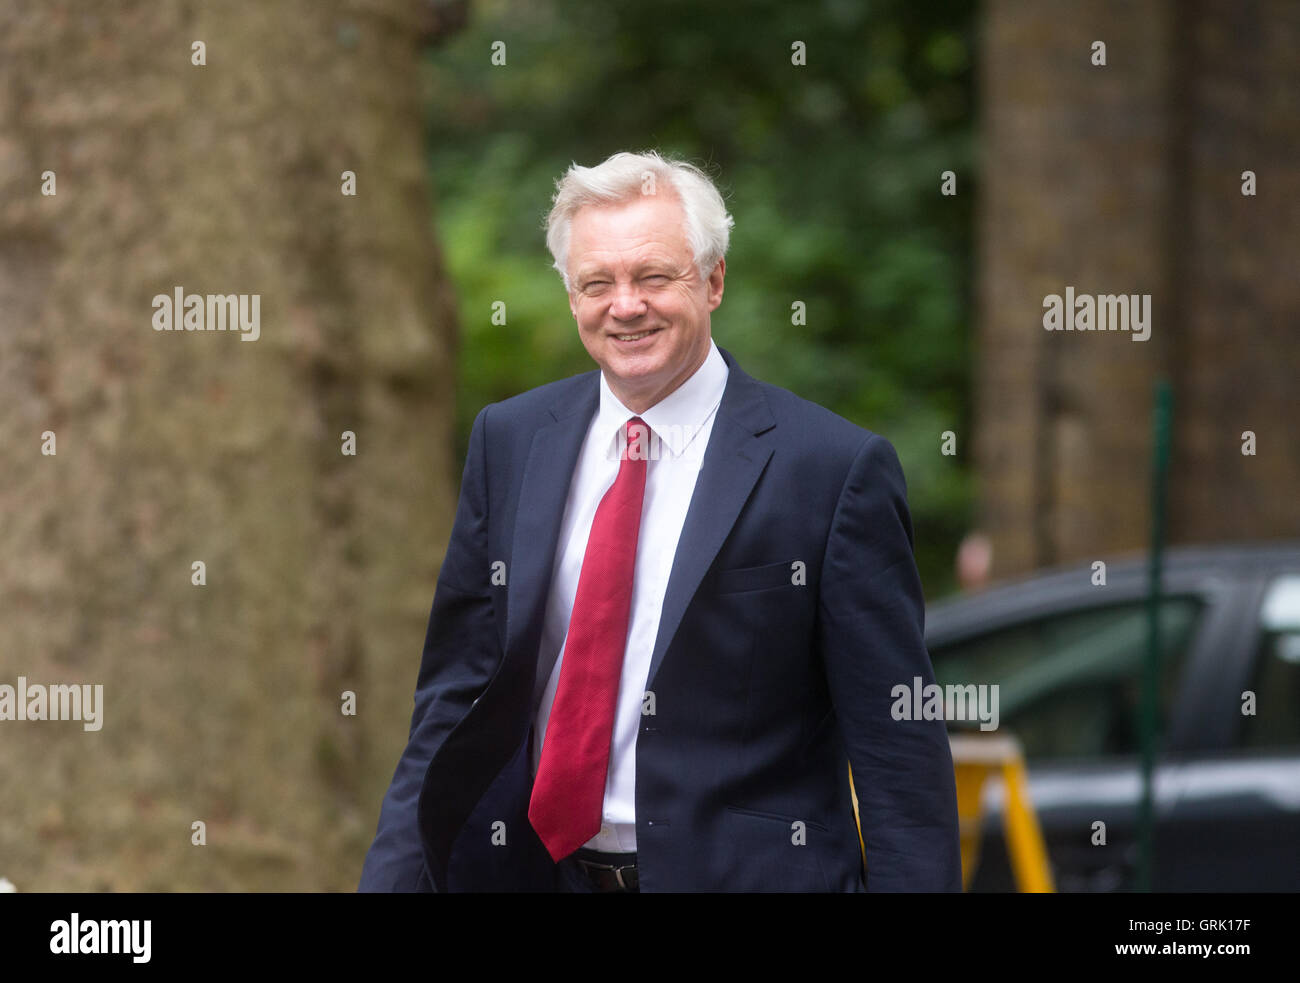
635 230
660 216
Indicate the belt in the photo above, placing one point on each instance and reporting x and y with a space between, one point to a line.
609 871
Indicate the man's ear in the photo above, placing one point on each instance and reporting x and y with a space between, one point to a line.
714 284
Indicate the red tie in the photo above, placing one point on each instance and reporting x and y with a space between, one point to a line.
569 792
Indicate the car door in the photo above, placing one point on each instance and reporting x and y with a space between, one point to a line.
1234 819
1069 674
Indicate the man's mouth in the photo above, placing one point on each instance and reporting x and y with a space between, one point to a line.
635 336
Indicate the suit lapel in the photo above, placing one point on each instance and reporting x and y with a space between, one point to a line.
542 497
732 464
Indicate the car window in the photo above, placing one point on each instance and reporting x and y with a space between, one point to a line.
1276 684
1070 685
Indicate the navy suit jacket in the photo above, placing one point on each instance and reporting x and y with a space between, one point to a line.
793 608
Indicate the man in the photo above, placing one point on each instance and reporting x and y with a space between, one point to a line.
672 611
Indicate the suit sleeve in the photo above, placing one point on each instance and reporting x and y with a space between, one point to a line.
460 654
871 632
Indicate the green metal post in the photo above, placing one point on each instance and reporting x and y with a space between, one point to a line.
1162 414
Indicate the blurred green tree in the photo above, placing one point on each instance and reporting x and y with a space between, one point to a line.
832 170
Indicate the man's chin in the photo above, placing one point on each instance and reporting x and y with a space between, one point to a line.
635 365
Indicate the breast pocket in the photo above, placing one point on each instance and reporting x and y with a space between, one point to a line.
740 579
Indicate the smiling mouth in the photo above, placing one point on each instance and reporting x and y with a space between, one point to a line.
635 336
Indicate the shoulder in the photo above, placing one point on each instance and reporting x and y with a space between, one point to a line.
821 447
528 410
816 431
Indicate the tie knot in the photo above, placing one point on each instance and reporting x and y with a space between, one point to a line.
636 440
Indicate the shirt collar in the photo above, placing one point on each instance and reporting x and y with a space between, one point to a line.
677 418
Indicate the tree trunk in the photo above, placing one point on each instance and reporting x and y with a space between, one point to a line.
222 702
1126 179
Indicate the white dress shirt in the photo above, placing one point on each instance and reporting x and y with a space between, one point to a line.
680 426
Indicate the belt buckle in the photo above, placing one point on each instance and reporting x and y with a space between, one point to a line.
590 865
618 876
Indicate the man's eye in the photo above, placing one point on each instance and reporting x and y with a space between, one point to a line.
594 285
657 278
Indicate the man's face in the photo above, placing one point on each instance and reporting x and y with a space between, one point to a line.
632 272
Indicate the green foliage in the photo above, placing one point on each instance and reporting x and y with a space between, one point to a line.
832 171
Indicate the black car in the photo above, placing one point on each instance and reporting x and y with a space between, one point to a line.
1067 656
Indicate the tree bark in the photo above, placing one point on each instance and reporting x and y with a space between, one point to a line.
222 703
1126 178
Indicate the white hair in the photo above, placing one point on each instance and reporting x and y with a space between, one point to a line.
625 176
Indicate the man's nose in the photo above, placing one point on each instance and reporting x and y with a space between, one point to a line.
628 303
